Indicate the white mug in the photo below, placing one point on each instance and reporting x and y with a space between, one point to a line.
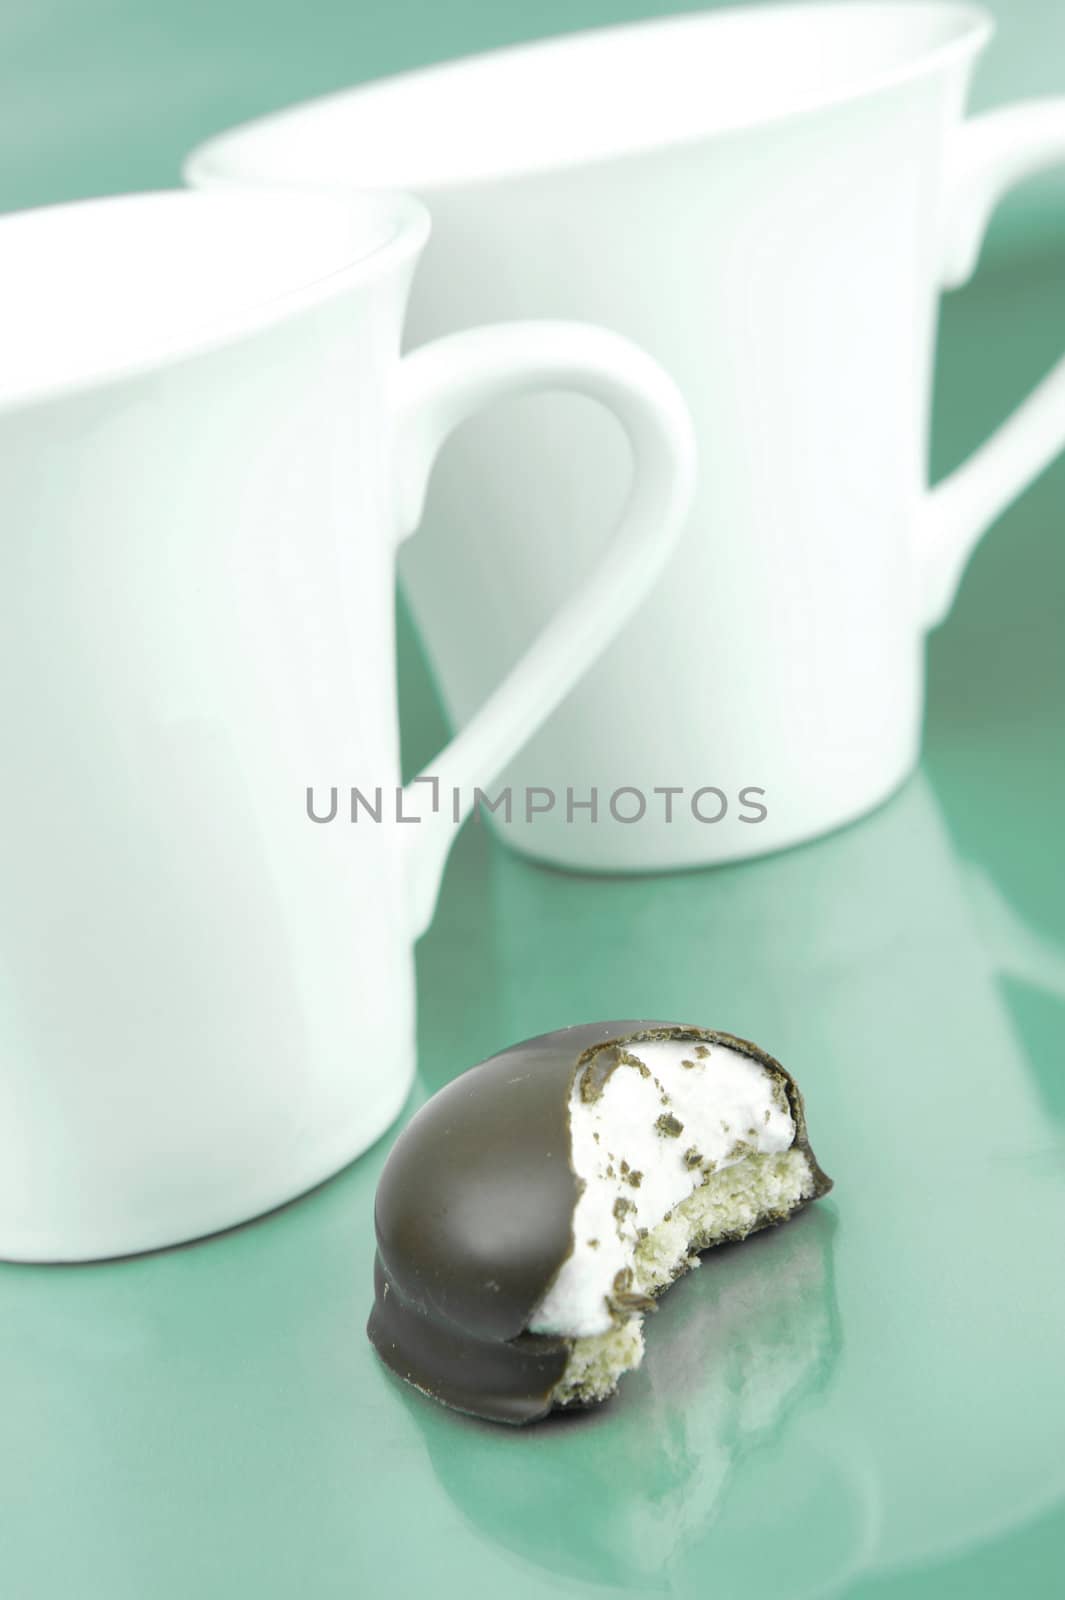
770 200
210 449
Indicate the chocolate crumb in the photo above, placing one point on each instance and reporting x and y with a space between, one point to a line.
627 1059
779 1094
669 1126
627 1302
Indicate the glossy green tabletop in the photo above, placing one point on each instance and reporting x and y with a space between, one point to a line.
867 1403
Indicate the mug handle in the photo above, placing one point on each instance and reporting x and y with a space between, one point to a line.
993 152
440 386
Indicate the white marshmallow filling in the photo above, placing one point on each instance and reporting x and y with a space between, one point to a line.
677 1145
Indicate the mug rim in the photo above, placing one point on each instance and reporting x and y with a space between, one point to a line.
405 219
209 165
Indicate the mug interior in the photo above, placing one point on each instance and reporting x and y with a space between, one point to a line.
91 289
589 95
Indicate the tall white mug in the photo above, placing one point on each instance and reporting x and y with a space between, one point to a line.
210 450
771 201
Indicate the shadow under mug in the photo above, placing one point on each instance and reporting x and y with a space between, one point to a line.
210 450
770 200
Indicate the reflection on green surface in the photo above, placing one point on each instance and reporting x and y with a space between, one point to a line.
835 1408
870 963
634 1493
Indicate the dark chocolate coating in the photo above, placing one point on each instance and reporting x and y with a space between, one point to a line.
474 1216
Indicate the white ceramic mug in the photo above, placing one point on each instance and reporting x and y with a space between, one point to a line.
210 449
770 200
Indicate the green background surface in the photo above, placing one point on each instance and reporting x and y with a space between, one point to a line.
868 1403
